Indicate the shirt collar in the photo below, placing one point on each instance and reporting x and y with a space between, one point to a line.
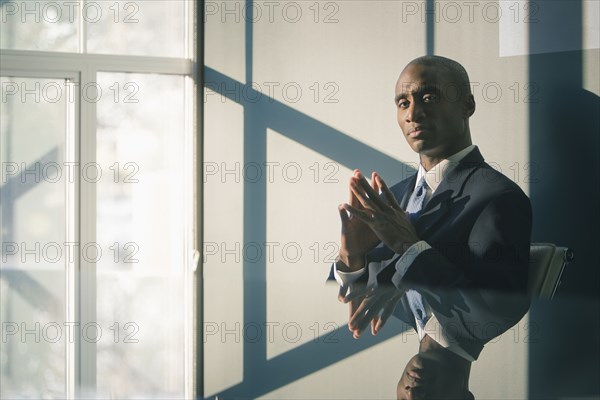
435 175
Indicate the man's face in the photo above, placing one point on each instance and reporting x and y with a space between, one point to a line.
429 376
431 111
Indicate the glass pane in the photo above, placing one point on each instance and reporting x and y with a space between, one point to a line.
40 25
32 271
141 219
150 28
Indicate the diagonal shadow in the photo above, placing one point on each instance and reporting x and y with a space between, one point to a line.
305 130
308 358
18 184
260 375
260 112
556 67
31 290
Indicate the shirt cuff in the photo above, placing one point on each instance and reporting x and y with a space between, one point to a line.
347 278
409 256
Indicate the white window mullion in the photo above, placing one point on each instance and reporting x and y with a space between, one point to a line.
192 161
87 213
82 30
73 238
55 61
191 231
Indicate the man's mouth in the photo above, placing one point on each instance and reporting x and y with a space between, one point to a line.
414 374
417 131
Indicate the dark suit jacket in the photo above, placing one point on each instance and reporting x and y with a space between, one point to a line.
474 277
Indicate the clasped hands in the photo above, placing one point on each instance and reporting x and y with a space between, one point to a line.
367 220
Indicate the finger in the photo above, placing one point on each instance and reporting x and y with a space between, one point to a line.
370 192
354 300
352 307
389 196
356 292
366 201
361 327
387 312
368 310
354 201
358 192
363 215
374 183
356 321
362 308
343 214
374 323
342 292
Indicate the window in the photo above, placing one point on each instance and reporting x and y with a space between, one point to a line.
97 149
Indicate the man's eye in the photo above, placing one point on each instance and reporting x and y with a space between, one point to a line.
430 98
403 104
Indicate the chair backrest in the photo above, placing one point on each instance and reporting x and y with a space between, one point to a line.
547 263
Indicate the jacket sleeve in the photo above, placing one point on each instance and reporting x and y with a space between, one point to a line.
495 257
480 290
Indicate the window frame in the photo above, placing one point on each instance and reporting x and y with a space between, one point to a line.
80 275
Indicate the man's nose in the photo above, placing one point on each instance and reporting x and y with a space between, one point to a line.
414 112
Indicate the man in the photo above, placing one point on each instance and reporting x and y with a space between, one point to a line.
449 245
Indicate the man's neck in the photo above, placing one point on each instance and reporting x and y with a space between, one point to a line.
429 161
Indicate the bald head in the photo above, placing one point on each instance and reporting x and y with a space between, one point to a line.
457 73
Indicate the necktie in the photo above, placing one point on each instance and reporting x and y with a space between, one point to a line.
417 200
413 208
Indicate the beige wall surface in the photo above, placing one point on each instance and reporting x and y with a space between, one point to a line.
296 99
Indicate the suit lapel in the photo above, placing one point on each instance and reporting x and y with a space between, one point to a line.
437 208
458 175
449 189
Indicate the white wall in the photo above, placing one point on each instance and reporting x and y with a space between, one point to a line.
355 58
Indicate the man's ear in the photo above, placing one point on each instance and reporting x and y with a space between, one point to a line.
468 106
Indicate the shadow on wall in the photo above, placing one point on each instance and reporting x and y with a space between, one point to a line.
261 375
564 149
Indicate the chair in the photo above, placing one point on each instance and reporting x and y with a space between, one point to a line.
547 263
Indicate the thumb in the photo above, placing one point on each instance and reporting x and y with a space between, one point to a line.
343 213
